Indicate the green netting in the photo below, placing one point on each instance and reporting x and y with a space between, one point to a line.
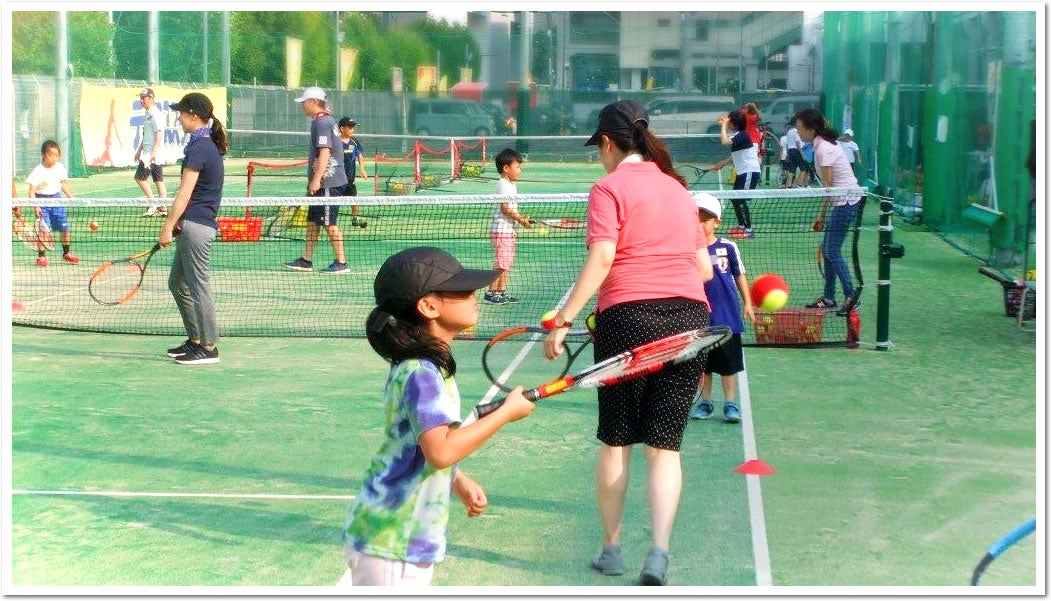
942 105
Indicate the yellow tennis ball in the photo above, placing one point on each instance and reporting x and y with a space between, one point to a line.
541 230
774 300
591 322
547 320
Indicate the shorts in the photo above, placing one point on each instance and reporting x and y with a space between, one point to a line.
325 215
654 409
350 189
142 172
504 245
795 160
726 360
54 217
367 570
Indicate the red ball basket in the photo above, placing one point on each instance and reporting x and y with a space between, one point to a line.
790 326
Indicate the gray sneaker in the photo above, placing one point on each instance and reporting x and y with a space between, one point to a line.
609 561
300 264
655 570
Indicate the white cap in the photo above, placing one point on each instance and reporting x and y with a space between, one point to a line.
312 93
710 204
848 132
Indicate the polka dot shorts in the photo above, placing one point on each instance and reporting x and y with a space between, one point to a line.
653 409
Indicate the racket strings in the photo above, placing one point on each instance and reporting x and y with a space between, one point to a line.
519 359
653 357
115 283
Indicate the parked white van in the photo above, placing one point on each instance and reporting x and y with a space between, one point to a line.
778 112
688 114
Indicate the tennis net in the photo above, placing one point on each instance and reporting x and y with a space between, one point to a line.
256 295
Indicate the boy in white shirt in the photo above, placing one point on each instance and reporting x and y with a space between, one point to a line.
851 150
50 179
502 226
148 162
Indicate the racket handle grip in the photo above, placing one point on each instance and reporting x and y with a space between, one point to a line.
486 409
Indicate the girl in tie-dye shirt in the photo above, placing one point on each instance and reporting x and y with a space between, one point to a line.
396 528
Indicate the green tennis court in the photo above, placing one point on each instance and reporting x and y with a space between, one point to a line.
894 468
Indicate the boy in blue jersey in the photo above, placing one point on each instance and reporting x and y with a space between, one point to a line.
722 292
353 161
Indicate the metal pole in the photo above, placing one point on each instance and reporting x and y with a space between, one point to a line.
682 52
225 66
204 46
62 84
154 48
339 42
887 250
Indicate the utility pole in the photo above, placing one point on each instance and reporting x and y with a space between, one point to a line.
204 45
339 55
154 50
225 67
683 75
61 84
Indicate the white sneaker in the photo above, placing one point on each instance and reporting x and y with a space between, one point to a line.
150 212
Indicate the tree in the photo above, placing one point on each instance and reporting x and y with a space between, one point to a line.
34 43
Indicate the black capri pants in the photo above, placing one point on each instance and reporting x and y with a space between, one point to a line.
653 409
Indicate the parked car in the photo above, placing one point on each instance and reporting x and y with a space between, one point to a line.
688 114
450 117
778 112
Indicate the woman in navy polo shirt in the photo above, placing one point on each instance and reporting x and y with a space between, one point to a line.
193 215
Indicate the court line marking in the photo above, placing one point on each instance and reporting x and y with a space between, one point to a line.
760 548
203 495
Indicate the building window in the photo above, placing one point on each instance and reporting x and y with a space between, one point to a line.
665 54
663 22
701 31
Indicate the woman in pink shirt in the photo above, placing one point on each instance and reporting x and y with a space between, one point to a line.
837 214
647 260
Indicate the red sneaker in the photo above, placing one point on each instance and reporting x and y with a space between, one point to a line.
41 261
71 258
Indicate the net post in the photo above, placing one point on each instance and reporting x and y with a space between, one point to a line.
251 176
417 150
485 150
454 164
887 250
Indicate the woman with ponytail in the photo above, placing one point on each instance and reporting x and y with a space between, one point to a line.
193 217
838 213
647 260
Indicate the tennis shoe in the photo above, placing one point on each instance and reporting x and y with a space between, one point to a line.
655 568
509 299
848 307
300 264
359 222
199 356
182 349
731 413
41 261
609 561
822 303
336 268
493 298
702 410
70 258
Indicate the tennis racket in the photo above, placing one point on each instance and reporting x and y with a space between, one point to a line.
1000 546
642 360
26 233
693 174
566 223
43 234
521 350
118 281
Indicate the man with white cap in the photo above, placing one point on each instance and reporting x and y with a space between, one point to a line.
148 162
325 178
851 150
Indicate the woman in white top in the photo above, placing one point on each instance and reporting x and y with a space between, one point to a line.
835 172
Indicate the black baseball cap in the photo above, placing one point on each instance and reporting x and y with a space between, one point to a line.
195 103
617 118
407 276
347 122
